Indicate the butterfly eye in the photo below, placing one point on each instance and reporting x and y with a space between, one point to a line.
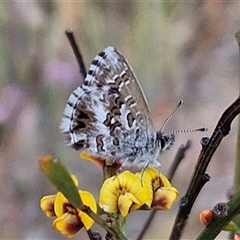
165 140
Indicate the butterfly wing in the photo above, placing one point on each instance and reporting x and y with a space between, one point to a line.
108 115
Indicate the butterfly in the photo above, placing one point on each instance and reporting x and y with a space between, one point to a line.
108 116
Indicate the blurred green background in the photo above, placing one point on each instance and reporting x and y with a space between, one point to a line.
178 49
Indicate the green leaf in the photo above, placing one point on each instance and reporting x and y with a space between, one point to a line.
59 175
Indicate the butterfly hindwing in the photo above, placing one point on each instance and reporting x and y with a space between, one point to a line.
108 115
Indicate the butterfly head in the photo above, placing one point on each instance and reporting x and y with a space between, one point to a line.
165 140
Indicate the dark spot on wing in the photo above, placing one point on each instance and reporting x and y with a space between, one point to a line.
118 102
95 62
130 119
113 127
90 72
115 141
79 125
70 104
79 144
99 140
115 111
108 120
75 94
82 114
101 54
130 101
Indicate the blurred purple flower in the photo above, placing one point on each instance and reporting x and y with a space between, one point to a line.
12 101
61 72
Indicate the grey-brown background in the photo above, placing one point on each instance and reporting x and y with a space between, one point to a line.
178 49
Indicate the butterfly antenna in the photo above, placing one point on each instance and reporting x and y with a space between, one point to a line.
170 116
188 130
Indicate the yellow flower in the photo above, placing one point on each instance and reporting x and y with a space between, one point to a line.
163 193
124 193
127 192
69 219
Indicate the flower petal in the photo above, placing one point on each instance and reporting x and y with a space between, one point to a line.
164 198
98 161
68 224
47 205
89 201
150 178
164 181
124 193
125 202
75 180
60 205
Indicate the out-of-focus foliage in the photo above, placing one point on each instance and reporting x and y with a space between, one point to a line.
178 50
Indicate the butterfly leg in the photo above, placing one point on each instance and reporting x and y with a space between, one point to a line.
124 164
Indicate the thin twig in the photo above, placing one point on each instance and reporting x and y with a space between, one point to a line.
113 231
198 178
75 48
236 186
174 166
227 212
178 159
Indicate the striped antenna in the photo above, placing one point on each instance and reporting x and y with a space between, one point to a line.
188 130
183 130
170 116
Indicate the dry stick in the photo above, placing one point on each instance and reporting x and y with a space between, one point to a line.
199 177
174 166
178 159
71 39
